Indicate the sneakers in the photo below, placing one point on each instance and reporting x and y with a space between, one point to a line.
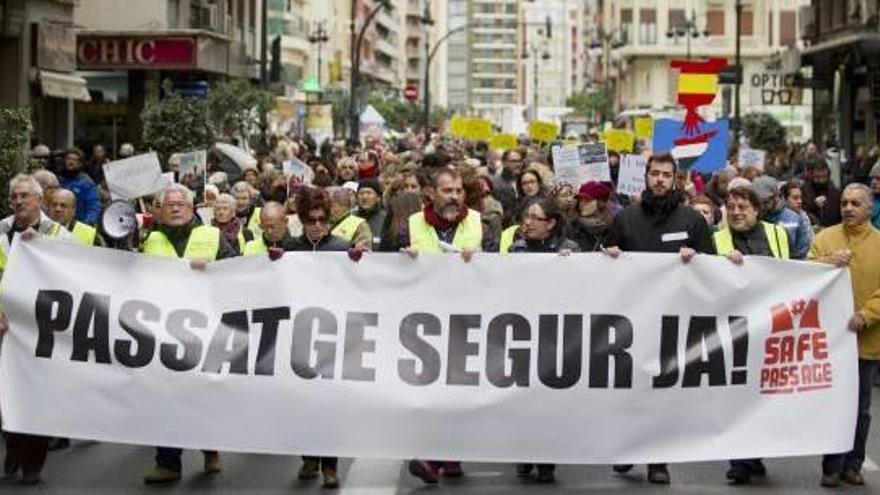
309 469
545 476
162 475
852 477
331 480
58 444
30 479
424 471
739 474
212 463
524 470
658 474
10 467
622 468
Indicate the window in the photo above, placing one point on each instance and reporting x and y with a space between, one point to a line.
747 23
715 22
626 22
648 26
770 28
676 18
788 28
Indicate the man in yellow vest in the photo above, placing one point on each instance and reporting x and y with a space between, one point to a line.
62 206
276 237
179 235
446 224
25 453
351 228
746 235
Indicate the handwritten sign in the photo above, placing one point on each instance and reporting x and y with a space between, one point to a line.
631 180
749 157
134 177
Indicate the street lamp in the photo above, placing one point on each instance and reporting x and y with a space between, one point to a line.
354 118
319 37
687 30
608 41
427 21
534 49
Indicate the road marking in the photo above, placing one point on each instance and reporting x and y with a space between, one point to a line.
371 477
870 465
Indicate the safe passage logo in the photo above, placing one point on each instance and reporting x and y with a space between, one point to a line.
796 351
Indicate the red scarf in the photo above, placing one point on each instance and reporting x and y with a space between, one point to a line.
439 223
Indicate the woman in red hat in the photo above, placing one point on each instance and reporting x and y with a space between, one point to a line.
595 216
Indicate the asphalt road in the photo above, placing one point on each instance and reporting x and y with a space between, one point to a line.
100 468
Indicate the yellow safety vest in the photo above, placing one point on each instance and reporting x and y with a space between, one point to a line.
203 243
777 238
85 233
423 238
345 229
507 238
54 231
255 247
254 221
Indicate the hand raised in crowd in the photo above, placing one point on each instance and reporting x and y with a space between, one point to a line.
857 323
687 254
841 258
736 257
198 264
275 253
356 253
613 251
467 255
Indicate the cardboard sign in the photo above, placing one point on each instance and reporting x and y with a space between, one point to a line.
631 180
619 140
543 131
644 127
749 157
502 142
576 165
134 177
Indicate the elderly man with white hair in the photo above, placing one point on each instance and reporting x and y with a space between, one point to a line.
180 235
855 243
25 453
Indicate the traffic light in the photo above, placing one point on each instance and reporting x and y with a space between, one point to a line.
275 67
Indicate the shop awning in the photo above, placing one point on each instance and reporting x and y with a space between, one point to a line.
64 86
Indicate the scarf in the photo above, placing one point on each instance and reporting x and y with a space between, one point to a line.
439 223
661 207
230 229
596 224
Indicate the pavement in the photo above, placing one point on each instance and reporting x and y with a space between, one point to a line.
101 468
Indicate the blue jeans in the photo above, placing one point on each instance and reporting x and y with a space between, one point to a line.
169 457
852 460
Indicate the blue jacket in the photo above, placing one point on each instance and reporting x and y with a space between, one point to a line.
875 213
88 199
797 229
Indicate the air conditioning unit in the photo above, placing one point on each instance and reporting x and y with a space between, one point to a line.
807 22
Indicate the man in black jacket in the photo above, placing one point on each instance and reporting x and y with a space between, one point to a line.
661 223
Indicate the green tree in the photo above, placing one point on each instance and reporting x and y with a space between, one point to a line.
15 127
764 132
593 103
176 124
237 108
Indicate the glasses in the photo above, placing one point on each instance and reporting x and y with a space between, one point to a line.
315 221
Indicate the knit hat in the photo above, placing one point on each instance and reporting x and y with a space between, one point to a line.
875 170
370 184
594 190
765 187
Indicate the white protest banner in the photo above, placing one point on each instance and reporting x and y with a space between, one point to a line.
576 165
439 359
134 177
631 179
298 170
749 157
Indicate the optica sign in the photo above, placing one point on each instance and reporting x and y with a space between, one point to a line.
119 52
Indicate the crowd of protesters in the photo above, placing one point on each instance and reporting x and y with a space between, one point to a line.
449 196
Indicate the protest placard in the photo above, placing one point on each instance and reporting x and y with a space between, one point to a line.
134 177
576 165
456 125
644 127
750 157
191 169
631 180
502 142
477 129
543 131
619 140
298 171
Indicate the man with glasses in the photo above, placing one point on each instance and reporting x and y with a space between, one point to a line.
661 223
504 184
180 235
